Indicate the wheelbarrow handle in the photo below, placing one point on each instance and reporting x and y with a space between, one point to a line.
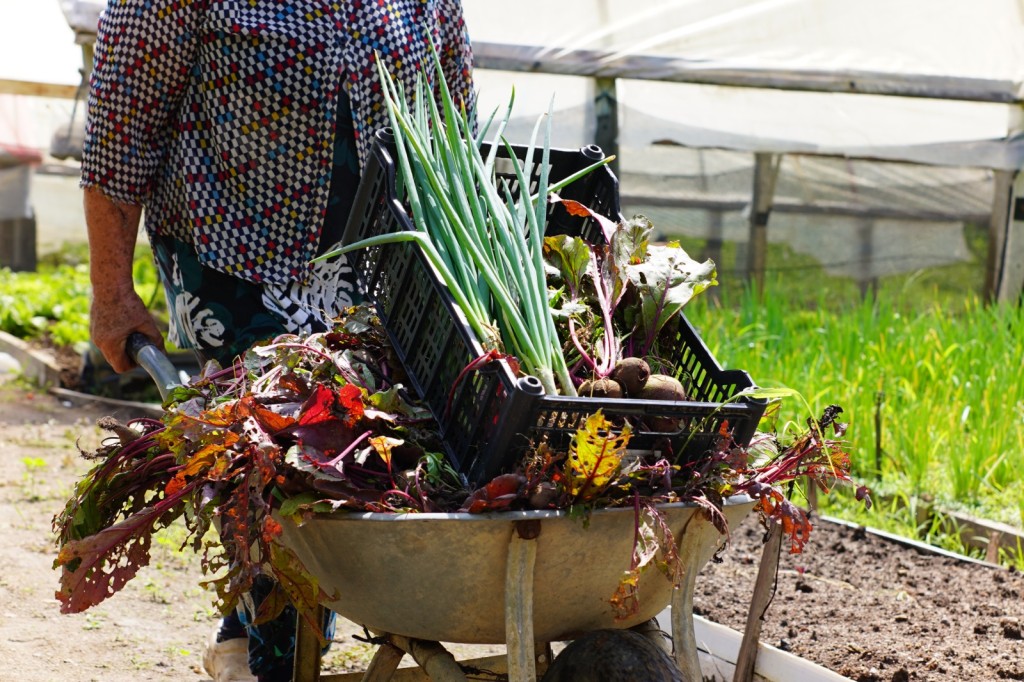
148 356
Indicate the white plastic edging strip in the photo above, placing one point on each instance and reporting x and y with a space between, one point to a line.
718 647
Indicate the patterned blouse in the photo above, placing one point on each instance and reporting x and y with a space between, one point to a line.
218 115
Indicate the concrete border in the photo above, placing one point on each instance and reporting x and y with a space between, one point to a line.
35 365
42 370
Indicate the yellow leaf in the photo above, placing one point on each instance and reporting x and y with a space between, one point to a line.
595 457
383 446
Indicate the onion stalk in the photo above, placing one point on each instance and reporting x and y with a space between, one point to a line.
485 243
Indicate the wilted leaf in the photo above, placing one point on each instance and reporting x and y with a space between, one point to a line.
575 208
595 457
498 494
97 566
795 524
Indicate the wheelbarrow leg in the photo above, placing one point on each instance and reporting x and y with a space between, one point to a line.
384 663
436 661
522 556
308 652
684 638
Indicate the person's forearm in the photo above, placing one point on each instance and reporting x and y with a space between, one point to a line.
116 309
113 229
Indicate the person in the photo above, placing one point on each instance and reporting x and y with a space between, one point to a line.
235 130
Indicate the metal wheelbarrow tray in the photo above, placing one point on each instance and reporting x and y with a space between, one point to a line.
517 578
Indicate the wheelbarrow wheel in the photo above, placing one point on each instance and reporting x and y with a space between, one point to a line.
613 656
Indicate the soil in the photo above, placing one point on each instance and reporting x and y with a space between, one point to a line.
867 608
873 610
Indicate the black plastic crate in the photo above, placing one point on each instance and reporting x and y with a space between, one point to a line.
488 417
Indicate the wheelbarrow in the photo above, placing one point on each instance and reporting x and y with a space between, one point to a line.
514 578
524 579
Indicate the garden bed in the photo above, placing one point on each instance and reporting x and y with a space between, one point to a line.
876 610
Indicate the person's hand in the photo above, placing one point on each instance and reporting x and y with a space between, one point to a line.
112 318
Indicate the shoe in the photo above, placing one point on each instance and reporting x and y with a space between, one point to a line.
227 661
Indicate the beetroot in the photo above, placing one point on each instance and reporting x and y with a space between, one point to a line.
663 387
600 388
633 374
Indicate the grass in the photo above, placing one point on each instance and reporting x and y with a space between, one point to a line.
909 517
927 375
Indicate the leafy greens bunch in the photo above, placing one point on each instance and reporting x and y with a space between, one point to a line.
298 420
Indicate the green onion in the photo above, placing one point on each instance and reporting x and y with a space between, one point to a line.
486 245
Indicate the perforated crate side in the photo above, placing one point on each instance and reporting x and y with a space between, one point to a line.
432 339
556 419
472 425
487 417
413 316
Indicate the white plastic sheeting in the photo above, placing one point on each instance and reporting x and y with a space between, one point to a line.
953 38
82 16
948 47
936 82
893 118
951 47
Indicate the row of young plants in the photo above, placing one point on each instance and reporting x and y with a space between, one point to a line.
51 304
932 392
53 301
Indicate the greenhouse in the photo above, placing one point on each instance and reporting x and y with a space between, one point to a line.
692 353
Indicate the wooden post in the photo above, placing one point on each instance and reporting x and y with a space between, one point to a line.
713 245
867 281
606 113
18 244
87 57
764 588
1004 277
766 170
997 229
675 69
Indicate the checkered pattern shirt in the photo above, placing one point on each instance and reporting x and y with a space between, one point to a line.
218 115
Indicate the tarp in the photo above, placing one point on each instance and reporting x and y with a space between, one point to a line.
82 16
949 48
935 82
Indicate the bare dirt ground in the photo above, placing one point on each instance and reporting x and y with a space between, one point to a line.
873 610
864 607
153 629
